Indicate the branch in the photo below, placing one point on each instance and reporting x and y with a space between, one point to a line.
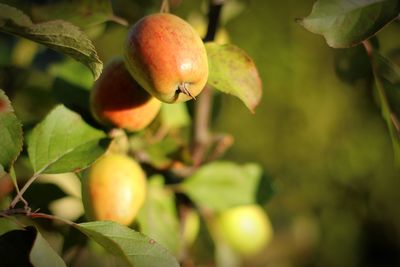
34 215
213 19
204 103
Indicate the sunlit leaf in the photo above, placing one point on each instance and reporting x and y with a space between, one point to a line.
59 35
232 71
84 13
136 249
72 72
11 138
345 23
221 185
158 211
27 247
63 142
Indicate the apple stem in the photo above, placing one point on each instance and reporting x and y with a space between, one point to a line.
182 88
164 6
203 105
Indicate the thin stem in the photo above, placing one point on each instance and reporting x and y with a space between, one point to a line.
201 131
34 215
203 104
19 197
388 115
222 143
164 6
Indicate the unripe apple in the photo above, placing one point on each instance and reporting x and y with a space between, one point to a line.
114 188
167 57
118 100
245 229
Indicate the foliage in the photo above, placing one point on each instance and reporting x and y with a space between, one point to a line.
182 157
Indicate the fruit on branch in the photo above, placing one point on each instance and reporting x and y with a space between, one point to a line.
118 100
114 188
167 57
245 229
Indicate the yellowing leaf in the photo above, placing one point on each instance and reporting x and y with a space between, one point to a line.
232 71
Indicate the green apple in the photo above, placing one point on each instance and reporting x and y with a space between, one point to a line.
167 57
245 229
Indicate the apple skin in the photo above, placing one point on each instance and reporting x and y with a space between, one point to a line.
167 57
246 229
114 188
116 99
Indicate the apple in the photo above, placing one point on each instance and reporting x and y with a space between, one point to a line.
245 229
116 99
167 57
114 188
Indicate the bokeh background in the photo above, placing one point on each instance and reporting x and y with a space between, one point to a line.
318 131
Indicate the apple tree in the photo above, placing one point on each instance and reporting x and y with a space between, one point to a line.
118 165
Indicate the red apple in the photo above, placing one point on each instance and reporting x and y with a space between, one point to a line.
167 57
118 100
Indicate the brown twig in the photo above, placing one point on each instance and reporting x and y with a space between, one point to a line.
203 105
221 144
164 6
34 215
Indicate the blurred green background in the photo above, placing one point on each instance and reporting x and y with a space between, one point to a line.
318 130
321 138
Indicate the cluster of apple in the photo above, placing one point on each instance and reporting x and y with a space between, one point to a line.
165 61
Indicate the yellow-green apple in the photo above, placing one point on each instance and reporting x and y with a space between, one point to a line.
114 188
116 99
246 229
167 57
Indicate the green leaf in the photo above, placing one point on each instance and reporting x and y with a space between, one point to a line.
43 255
63 142
11 138
136 249
59 35
7 224
158 211
82 13
232 71
221 185
174 115
27 247
346 23
72 72
387 79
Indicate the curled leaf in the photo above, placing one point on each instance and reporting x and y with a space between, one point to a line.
233 72
59 35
